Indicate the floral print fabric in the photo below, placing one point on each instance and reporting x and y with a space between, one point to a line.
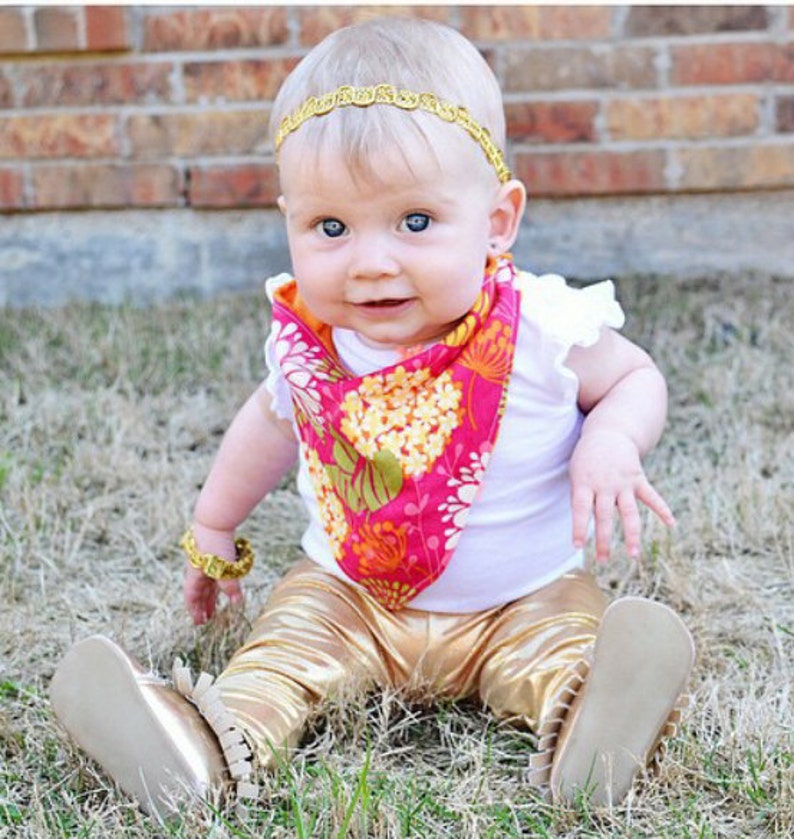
397 457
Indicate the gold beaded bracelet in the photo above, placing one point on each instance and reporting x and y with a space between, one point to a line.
215 567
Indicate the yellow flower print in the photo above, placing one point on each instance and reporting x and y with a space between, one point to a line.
405 412
447 423
373 423
448 397
332 512
415 463
435 448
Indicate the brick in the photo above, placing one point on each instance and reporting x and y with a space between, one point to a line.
682 118
743 167
13 34
551 122
588 23
209 29
107 28
732 63
704 64
56 29
591 172
59 135
235 81
65 186
784 63
12 189
58 84
567 68
535 23
243 185
319 21
500 23
784 114
203 133
660 21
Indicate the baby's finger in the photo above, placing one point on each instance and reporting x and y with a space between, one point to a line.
198 607
630 521
654 501
604 519
582 507
232 589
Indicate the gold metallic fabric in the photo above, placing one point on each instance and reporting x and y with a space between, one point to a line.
215 567
406 100
319 637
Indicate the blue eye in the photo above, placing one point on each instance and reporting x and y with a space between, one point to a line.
416 222
332 228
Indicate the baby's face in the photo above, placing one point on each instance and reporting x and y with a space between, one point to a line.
399 261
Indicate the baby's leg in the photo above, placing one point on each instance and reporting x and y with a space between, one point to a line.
537 650
598 691
311 642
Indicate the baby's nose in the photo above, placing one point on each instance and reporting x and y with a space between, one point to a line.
372 258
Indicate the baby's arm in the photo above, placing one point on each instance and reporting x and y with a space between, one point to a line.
624 397
255 454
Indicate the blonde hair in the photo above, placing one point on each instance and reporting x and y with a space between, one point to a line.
417 55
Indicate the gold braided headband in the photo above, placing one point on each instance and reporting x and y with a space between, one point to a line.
386 94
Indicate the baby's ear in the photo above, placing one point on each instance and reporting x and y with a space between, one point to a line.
506 214
282 204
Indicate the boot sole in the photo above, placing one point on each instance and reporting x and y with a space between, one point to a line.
641 661
145 736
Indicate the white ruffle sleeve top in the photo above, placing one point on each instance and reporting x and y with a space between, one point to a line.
518 537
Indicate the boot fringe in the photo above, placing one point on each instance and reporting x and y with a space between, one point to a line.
549 730
540 763
668 732
206 697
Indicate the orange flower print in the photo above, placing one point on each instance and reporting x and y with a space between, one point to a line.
392 595
380 548
489 354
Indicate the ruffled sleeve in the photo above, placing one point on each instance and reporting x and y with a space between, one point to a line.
566 317
275 383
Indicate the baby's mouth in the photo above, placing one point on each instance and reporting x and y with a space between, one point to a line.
383 304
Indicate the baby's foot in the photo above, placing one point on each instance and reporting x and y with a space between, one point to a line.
150 740
641 661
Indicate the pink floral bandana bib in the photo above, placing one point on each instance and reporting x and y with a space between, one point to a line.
398 456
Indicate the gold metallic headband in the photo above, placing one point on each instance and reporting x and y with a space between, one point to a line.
386 94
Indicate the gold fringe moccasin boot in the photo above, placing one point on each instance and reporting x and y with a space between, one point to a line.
613 722
160 744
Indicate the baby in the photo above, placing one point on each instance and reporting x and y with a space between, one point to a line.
458 425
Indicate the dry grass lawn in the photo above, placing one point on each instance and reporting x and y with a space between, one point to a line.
108 420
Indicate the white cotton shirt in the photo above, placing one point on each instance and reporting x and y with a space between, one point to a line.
518 536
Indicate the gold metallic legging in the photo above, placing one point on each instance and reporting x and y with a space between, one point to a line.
318 637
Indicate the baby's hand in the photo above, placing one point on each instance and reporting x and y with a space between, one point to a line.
201 591
606 472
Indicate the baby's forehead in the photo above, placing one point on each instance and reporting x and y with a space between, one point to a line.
396 157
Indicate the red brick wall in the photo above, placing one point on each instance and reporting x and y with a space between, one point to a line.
146 107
